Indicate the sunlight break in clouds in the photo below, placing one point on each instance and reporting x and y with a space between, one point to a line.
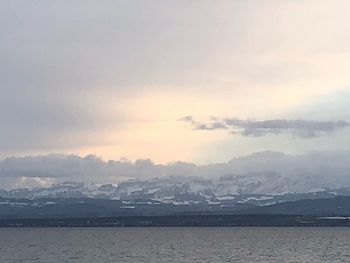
111 78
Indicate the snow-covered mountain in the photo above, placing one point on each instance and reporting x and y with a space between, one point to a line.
260 179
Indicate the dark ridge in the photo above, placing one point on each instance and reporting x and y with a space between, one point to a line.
182 221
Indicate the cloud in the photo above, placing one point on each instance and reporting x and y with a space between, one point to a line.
252 128
289 172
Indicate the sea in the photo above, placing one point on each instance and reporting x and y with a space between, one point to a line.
236 244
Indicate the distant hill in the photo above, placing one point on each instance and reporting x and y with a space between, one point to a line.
93 208
337 206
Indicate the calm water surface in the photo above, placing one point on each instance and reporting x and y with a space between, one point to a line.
95 245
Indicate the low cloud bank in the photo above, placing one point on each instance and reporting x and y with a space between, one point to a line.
332 169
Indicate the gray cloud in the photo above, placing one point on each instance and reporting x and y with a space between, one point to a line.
322 169
252 128
214 125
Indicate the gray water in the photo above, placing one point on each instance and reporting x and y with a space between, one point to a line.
95 245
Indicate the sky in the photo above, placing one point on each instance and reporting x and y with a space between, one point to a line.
195 81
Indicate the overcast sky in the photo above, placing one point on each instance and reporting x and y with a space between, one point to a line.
199 81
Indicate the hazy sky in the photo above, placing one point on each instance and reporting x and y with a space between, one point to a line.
199 81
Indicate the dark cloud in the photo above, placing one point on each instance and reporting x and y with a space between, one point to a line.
252 128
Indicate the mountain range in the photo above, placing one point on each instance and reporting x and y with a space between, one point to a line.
160 196
247 184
